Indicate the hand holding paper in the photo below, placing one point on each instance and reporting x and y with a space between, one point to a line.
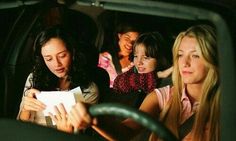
54 98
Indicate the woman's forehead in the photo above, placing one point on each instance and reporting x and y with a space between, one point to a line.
53 46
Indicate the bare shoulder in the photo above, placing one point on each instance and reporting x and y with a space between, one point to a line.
154 101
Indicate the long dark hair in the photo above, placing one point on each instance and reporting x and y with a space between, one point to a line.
43 78
121 28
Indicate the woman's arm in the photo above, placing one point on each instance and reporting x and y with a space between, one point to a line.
80 118
150 106
61 119
89 96
108 128
23 114
30 103
164 73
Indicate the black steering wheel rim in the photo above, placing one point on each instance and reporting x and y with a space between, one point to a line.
140 117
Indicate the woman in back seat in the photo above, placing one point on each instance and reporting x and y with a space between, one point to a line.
115 59
150 66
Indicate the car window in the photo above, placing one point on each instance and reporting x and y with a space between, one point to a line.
8 18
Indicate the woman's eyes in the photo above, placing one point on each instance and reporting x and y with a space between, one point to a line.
62 55
127 39
144 57
192 56
179 55
195 56
48 59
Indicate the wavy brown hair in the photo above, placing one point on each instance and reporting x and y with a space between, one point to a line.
43 78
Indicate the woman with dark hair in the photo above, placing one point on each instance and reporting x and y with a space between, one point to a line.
115 58
150 66
59 65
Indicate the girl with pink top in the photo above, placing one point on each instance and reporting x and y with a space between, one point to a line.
195 91
115 59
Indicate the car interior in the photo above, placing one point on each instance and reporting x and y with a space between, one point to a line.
93 22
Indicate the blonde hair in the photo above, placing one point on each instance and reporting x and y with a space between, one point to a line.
209 108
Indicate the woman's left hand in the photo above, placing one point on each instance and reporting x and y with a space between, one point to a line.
61 119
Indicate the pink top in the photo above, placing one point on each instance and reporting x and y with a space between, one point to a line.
164 95
105 62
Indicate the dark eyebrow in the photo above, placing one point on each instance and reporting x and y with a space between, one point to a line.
57 53
62 51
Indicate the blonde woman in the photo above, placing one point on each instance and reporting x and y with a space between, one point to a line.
195 91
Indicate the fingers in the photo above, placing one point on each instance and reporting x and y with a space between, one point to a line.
33 104
31 92
60 112
62 109
30 103
74 118
94 121
131 64
79 116
60 118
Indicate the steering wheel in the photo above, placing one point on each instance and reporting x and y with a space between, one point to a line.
140 117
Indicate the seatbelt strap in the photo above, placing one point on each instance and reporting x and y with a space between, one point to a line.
186 127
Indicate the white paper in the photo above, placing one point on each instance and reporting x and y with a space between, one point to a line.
76 90
78 94
54 98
